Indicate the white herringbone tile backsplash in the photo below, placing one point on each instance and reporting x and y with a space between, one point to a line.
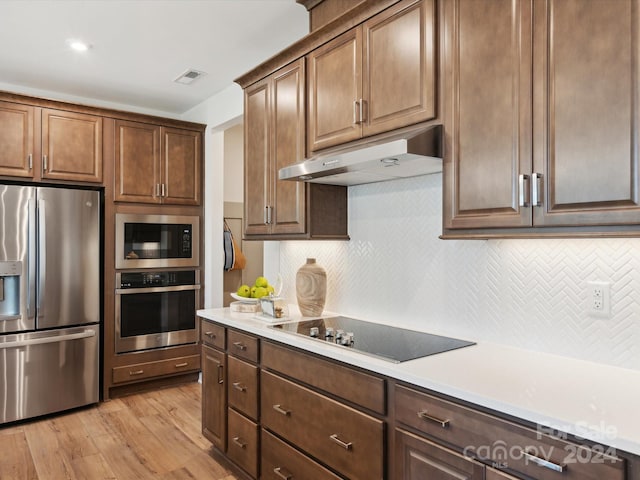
526 293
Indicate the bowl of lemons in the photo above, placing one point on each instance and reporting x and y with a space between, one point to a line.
261 288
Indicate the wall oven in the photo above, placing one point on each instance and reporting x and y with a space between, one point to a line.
156 309
157 241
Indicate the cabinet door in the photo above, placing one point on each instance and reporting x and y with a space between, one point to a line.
586 106
214 405
71 146
137 168
181 165
487 110
16 140
288 138
335 87
420 459
399 67
256 158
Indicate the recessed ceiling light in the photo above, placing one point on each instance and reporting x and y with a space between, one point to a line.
78 45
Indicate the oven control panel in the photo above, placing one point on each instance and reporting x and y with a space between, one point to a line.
157 279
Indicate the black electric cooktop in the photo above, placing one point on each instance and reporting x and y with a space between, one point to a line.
384 341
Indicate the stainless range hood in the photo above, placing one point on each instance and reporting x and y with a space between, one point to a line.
406 154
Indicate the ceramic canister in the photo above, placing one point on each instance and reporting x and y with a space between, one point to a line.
311 288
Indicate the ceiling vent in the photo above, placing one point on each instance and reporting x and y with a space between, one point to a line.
188 77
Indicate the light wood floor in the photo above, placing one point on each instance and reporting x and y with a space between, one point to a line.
154 435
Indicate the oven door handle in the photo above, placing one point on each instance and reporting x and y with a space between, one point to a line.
177 288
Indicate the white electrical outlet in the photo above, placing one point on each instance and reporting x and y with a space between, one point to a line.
599 299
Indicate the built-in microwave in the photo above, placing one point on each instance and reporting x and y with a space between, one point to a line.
157 241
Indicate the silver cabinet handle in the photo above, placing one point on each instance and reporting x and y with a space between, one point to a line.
541 462
535 192
238 441
44 163
269 214
346 445
266 215
356 109
163 192
362 111
425 416
180 365
220 374
239 386
135 372
282 473
278 408
30 160
211 335
240 346
521 180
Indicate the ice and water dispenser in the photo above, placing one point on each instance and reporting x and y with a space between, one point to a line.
10 289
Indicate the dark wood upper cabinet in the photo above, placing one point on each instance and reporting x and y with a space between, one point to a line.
541 99
274 121
586 111
137 172
181 166
17 148
487 109
71 146
374 78
156 164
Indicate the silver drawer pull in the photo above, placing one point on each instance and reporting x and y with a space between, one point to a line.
238 441
282 473
346 445
278 408
211 335
239 386
541 462
425 416
240 345
136 372
180 365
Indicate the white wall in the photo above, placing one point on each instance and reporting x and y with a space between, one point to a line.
234 164
529 293
219 112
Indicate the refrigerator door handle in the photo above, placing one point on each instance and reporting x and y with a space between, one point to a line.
42 261
31 258
49 339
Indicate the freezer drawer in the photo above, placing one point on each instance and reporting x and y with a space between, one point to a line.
49 371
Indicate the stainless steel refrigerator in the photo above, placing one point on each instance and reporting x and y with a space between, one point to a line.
50 307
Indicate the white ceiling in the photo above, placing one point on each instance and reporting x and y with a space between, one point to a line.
140 46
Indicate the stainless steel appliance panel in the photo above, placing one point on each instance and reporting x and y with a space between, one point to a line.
165 246
17 258
69 257
45 372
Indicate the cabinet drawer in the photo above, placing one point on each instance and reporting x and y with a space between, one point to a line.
243 346
242 443
347 440
243 387
500 442
280 461
357 387
212 334
139 371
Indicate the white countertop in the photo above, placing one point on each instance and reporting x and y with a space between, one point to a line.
586 399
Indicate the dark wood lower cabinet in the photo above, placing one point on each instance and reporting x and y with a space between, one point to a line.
280 413
280 461
420 459
214 397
